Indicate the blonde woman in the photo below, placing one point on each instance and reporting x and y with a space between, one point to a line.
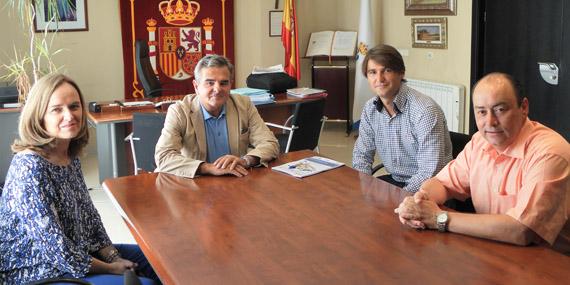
49 226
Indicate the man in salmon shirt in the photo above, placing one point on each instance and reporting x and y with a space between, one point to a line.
515 170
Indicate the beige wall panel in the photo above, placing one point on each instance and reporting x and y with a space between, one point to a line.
94 58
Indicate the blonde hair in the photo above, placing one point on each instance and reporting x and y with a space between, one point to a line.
33 135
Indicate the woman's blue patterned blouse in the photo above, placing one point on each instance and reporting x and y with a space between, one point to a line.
48 223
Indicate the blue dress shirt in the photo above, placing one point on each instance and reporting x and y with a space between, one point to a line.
216 134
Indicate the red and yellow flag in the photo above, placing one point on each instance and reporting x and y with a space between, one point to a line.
289 37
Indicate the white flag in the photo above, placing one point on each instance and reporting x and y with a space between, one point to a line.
366 41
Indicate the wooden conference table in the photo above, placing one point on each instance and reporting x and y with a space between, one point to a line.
111 128
337 227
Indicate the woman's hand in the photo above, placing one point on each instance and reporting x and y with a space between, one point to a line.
120 265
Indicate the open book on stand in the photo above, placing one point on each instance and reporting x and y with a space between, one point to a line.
329 43
308 166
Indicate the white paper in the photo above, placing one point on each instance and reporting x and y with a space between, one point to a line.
344 44
270 69
320 43
304 91
308 166
340 43
137 103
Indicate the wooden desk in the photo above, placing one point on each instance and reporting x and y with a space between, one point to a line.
337 227
111 128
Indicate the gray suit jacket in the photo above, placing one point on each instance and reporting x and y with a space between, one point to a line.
182 147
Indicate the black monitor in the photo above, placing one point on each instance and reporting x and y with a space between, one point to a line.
8 94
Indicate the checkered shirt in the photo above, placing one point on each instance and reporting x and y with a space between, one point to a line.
414 144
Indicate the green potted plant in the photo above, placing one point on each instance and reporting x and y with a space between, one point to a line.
27 66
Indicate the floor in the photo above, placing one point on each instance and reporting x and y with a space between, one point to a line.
334 143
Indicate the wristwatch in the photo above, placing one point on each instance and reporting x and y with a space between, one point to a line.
248 161
442 219
112 256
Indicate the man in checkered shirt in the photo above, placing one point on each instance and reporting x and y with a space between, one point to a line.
406 127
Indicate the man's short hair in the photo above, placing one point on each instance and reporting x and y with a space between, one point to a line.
32 132
385 55
212 60
515 84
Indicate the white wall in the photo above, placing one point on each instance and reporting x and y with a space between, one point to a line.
94 58
451 65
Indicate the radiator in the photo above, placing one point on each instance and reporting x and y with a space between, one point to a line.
451 99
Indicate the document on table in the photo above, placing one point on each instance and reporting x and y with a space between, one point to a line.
308 166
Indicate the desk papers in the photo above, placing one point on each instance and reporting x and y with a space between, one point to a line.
308 166
257 96
271 69
304 92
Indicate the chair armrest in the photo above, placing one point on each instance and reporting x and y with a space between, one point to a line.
377 167
131 138
279 126
288 121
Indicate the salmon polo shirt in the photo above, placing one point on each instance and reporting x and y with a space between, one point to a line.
528 181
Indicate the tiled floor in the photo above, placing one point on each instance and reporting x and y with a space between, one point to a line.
334 143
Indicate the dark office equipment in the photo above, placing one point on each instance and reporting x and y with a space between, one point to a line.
94 107
8 94
274 82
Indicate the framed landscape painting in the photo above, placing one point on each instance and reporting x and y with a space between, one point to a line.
429 33
430 7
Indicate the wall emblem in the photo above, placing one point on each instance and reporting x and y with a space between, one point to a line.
179 47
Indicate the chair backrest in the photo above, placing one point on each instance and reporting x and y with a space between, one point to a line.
458 142
146 132
308 119
145 72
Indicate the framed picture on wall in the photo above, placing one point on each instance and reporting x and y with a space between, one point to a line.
429 33
275 19
71 15
430 7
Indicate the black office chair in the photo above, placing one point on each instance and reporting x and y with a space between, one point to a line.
145 72
146 132
458 142
306 126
